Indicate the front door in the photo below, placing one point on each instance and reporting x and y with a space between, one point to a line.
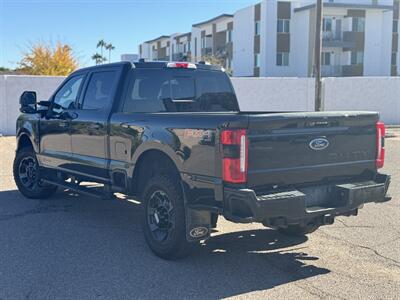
89 130
55 139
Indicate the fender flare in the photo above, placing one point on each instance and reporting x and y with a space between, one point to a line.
25 132
155 145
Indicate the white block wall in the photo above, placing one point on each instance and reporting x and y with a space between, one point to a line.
11 88
254 94
364 93
274 94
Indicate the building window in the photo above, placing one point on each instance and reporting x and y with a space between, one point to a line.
358 24
203 42
326 59
229 36
357 57
257 28
395 26
257 60
283 26
282 59
188 46
327 25
184 48
394 58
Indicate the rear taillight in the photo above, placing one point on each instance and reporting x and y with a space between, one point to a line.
234 155
380 144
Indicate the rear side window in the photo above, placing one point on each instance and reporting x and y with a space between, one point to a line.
146 91
160 90
100 90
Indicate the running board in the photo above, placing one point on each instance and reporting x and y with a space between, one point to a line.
92 191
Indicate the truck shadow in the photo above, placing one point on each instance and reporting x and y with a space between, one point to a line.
90 247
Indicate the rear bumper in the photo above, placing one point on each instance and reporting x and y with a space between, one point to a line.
298 206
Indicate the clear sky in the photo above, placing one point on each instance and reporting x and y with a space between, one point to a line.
81 23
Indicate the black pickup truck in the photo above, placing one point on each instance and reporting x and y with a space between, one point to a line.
172 136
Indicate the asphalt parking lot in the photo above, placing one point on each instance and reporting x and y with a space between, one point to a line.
78 247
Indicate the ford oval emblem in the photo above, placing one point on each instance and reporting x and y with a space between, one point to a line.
198 232
319 144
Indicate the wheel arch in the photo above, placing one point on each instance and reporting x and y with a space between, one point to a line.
148 163
24 140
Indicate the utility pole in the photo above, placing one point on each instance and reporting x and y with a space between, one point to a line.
317 55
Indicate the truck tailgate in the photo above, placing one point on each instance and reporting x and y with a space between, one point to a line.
297 148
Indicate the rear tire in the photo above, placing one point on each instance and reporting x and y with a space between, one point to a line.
163 218
298 230
27 176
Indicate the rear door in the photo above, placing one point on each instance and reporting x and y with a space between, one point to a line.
89 130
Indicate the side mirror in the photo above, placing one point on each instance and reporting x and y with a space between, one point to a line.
28 102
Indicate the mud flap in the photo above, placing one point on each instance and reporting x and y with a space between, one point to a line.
198 222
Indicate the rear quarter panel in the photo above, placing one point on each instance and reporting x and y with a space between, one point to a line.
189 139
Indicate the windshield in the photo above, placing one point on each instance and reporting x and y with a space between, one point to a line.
177 90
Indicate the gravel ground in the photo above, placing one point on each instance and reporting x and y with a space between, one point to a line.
82 248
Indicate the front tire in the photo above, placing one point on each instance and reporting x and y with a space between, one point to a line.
163 218
27 176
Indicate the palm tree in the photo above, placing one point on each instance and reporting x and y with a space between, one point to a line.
98 58
109 47
100 44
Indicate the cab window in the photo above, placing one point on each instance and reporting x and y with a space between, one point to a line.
66 97
160 90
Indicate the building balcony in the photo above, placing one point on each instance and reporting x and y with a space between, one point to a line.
224 50
181 56
343 39
206 51
353 70
342 70
331 71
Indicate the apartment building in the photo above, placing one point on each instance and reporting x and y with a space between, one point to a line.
211 38
214 37
276 38
156 49
181 49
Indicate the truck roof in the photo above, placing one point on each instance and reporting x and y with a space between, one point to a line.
151 65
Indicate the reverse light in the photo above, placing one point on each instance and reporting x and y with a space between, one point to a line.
183 65
380 144
235 155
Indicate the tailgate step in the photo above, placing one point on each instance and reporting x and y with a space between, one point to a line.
319 209
281 195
